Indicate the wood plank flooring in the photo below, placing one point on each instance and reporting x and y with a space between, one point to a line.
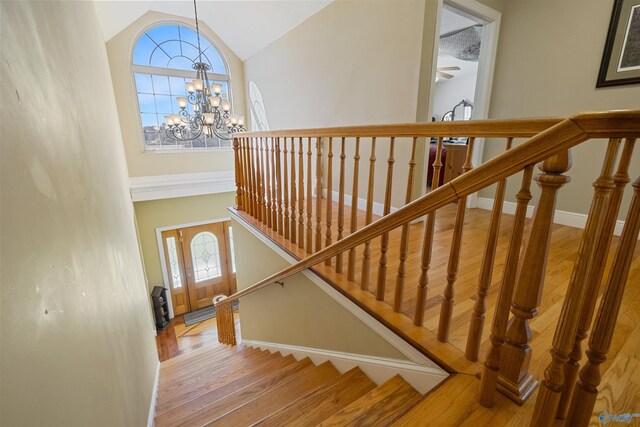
621 385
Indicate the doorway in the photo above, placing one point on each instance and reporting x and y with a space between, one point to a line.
199 264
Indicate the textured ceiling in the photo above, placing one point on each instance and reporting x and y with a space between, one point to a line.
245 26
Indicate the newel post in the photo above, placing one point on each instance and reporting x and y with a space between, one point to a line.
515 381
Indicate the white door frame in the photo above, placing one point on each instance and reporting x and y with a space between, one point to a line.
163 261
484 80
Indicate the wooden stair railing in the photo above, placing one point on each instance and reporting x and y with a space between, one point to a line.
264 197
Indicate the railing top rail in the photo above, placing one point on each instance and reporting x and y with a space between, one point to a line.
562 136
478 128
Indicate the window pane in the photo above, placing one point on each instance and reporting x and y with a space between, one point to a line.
181 63
174 266
205 256
164 32
171 47
215 60
161 85
143 83
177 86
159 58
147 104
164 105
149 120
142 51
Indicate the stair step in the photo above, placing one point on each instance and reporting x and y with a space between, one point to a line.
191 380
299 384
379 407
323 402
166 401
450 404
209 373
235 394
207 348
200 362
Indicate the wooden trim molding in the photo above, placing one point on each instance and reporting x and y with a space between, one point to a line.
571 219
379 369
158 187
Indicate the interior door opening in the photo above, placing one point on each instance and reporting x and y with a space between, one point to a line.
199 263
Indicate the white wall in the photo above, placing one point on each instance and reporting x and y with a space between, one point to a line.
448 93
77 341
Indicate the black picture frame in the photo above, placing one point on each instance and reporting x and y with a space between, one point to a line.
613 38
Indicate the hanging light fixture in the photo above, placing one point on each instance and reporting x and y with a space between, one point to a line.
211 114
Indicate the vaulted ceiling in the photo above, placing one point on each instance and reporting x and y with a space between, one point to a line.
245 26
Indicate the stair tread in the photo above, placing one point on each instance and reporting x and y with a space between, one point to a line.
379 407
208 350
206 370
200 361
323 402
299 384
208 374
167 401
233 395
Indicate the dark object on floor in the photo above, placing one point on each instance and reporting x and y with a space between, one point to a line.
160 307
204 314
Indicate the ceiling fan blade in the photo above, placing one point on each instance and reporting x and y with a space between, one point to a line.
454 68
444 75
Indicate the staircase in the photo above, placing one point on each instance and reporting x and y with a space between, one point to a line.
241 386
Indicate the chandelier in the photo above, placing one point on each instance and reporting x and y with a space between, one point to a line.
211 114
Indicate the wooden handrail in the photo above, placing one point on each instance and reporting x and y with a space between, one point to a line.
561 136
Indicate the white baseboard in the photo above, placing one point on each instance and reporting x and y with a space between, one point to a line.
377 208
571 219
385 333
379 369
154 398
144 188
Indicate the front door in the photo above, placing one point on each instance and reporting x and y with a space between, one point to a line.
199 264
205 258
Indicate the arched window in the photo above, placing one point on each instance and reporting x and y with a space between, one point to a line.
162 60
205 256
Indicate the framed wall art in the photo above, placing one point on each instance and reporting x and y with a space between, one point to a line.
621 58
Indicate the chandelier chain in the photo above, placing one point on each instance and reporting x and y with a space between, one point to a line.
195 12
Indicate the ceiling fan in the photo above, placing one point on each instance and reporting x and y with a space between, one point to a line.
440 72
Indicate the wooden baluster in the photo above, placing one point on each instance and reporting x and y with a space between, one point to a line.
309 199
620 180
238 172
252 172
489 378
293 191
260 181
274 188
246 173
427 243
564 337
343 156
300 195
366 255
586 391
285 190
279 187
318 194
267 186
404 239
486 271
515 380
329 196
446 310
351 264
384 240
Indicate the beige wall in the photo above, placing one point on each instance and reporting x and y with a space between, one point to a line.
353 62
77 341
547 64
168 212
299 313
141 163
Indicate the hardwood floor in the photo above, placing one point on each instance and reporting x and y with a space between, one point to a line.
620 389
177 339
